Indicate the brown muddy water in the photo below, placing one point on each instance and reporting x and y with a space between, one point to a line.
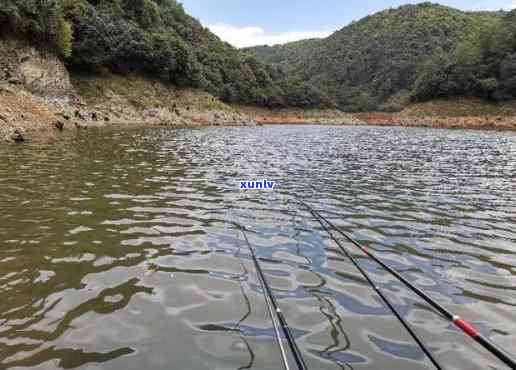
118 249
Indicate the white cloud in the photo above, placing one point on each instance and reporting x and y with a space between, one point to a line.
511 4
252 36
494 5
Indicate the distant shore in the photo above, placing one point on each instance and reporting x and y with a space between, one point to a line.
445 122
447 114
112 101
458 113
28 117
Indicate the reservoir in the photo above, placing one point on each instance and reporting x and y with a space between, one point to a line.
119 248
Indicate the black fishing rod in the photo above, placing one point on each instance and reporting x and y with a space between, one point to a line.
459 322
384 298
274 308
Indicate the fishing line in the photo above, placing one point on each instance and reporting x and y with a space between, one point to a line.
270 311
276 313
459 322
380 293
335 321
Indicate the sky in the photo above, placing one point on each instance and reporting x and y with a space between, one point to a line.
258 22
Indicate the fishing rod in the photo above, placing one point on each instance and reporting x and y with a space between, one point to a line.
384 298
273 307
459 322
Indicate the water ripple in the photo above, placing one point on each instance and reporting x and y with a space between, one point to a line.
120 249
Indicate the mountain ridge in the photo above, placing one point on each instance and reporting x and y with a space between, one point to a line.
151 37
376 62
382 62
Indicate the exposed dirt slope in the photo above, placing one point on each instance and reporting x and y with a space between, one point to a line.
38 98
449 113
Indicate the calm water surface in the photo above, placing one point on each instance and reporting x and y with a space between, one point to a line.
119 250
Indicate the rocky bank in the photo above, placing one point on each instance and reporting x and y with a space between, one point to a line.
458 113
300 116
39 98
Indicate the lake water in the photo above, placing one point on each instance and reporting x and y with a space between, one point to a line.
119 250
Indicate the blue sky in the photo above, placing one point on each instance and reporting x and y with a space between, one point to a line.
245 23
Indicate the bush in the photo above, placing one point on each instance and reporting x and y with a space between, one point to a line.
41 21
396 102
489 86
66 39
432 78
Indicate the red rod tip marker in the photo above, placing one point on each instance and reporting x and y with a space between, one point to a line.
467 327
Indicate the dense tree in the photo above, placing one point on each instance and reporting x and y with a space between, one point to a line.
483 65
41 21
155 37
384 59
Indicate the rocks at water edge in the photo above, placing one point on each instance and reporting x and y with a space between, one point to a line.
458 122
17 136
59 125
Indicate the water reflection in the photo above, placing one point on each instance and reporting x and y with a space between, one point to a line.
119 250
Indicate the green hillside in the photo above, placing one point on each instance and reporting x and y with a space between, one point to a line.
153 37
381 61
483 65
285 56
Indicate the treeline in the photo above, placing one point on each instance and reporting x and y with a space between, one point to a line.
41 21
382 62
154 37
411 53
483 65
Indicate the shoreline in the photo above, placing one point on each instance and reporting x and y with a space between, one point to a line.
112 101
40 97
27 116
499 123
462 113
48 130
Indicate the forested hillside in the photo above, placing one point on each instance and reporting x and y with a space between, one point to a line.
382 62
286 56
415 52
482 65
152 37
